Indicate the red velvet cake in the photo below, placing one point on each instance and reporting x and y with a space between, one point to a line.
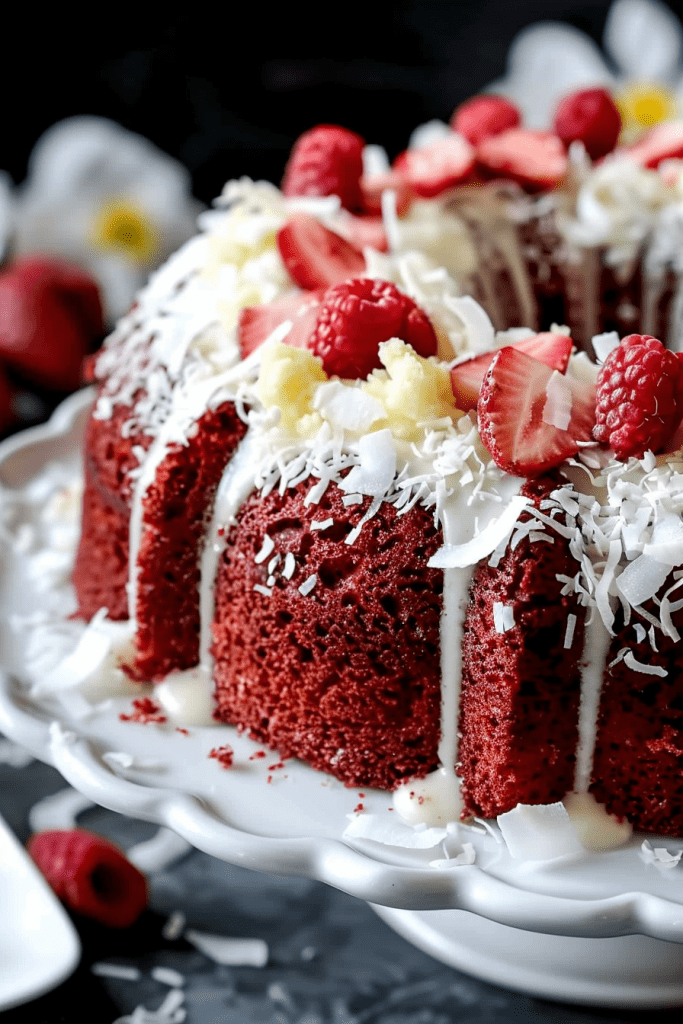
411 548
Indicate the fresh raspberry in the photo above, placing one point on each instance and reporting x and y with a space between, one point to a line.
639 397
326 161
482 116
590 116
90 875
356 316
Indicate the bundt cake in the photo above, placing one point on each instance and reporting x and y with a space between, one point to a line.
333 468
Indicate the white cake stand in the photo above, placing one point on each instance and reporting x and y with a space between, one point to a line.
598 928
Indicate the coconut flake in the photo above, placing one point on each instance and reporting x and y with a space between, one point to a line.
638 666
468 856
346 407
503 617
659 856
308 585
377 465
539 832
290 566
641 579
122 971
557 410
322 524
229 951
603 344
167 976
457 556
266 549
569 631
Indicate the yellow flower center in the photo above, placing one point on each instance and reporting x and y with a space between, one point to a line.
124 228
645 104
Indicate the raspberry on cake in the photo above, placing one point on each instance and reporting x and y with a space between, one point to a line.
386 535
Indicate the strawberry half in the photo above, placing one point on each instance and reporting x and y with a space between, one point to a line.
373 187
536 160
90 875
466 378
437 167
665 142
514 408
316 257
482 116
256 323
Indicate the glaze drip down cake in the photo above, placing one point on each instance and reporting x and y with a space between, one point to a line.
369 461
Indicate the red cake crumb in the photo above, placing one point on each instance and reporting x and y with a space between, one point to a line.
520 688
225 755
146 710
347 677
185 732
257 755
638 759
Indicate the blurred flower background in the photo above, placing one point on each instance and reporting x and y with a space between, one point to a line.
137 131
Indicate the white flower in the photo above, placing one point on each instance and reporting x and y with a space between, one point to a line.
107 199
644 40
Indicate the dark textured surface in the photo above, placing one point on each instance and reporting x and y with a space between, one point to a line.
332 961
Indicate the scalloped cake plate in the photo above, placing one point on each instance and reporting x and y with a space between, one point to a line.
613 922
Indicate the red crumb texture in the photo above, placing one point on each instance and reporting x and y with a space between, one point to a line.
175 511
520 688
185 732
638 761
145 711
257 755
225 755
348 677
101 567
358 808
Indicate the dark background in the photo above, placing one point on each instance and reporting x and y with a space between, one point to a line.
227 91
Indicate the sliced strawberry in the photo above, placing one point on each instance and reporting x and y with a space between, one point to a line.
482 116
437 167
372 189
536 160
315 256
256 323
466 378
512 405
365 231
665 142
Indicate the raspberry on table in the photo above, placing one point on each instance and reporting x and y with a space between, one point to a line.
356 316
639 397
326 161
90 875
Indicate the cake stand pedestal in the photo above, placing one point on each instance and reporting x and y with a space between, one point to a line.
629 972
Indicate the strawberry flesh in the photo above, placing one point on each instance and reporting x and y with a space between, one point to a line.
482 116
256 323
511 409
535 160
437 167
316 257
466 378
665 142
